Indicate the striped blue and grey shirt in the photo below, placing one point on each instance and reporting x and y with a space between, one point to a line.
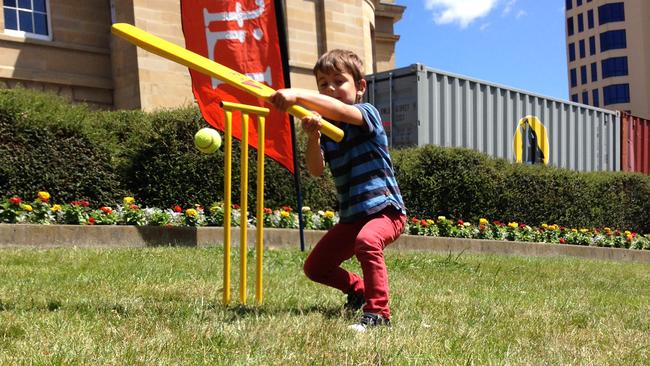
362 169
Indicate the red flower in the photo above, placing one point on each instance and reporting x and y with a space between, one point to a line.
267 211
235 206
424 222
522 225
15 200
134 207
75 203
91 221
415 220
106 210
562 241
497 223
286 208
178 208
460 222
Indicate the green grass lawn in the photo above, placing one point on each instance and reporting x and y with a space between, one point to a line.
163 306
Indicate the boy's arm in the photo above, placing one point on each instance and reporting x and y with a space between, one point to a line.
324 105
313 153
314 158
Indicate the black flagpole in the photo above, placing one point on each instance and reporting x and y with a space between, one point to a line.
282 35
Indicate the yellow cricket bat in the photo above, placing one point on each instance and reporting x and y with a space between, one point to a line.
206 66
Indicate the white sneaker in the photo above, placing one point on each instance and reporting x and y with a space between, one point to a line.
369 320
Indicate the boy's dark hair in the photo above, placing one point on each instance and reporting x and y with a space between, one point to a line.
340 61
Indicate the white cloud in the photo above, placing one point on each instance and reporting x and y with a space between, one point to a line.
508 8
521 13
484 26
462 12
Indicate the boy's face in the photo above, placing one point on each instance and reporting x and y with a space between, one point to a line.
340 85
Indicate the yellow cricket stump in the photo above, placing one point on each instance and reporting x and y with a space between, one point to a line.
261 114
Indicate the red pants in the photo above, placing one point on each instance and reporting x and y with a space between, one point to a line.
365 239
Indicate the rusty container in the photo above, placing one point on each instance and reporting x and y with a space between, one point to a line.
635 144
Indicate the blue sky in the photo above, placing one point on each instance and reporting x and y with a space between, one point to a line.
516 43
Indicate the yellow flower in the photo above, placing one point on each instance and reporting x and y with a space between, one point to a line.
574 230
329 214
627 232
128 200
544 226
430 222
306 209
56 208
513 225
43 196
584 231
483 221
284 213
27 208
552 227
441 218
191 212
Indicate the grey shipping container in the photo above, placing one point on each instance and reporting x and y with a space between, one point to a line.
420 106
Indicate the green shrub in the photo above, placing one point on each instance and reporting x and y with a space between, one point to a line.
462 183
44 147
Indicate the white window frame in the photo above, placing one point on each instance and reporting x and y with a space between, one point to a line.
23 34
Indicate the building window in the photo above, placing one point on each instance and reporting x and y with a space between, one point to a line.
581 24
583 74
595 98
614 12
574 78
578 2
592 45
574 98
612 40
582 48
569 25
585 97
617 93
572 52
569 4
26 18
590 19
594 71
615 66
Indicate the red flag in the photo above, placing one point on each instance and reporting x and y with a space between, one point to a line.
242 35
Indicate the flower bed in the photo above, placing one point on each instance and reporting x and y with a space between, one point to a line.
40 211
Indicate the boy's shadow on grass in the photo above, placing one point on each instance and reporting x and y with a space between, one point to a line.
234 313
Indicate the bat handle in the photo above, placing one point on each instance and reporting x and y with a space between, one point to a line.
327 128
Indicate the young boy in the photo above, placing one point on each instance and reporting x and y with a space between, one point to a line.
372 213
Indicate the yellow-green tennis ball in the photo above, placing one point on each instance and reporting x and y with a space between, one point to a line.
207 140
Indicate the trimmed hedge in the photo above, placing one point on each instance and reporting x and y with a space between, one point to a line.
76 153
462 183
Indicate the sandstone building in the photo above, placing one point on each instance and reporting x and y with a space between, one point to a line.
65 46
